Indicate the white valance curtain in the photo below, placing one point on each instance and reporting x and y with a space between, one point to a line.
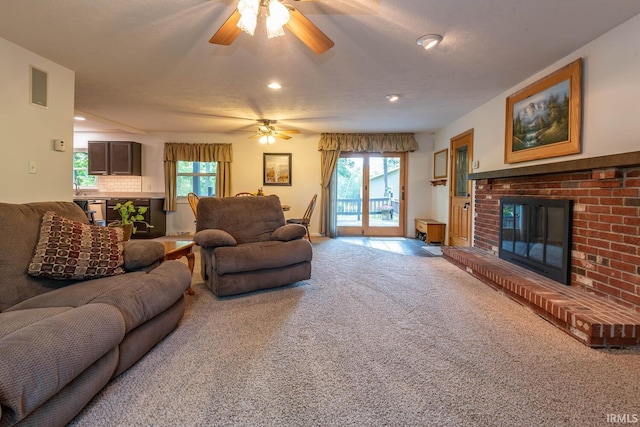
178 151
332 144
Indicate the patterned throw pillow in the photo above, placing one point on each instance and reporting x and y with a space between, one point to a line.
68 249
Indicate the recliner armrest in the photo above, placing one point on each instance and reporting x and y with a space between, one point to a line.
213 238
139 255
289 232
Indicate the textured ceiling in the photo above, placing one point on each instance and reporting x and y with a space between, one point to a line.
147 65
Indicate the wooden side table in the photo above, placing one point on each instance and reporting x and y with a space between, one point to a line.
433 230
176 249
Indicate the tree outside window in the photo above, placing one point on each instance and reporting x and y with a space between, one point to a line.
81 177
196 177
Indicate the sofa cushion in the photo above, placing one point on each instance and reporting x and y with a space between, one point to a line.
139 296
42 350
289 232
68 249
19 228
261 255
140 254
214 238
247 219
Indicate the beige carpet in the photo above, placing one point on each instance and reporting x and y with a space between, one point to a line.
373 339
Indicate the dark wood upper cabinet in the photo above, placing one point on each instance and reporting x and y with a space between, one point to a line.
115 158
98 153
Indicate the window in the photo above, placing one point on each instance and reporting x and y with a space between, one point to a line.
197 177
81 177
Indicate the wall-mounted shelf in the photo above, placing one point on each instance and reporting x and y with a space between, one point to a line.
436 182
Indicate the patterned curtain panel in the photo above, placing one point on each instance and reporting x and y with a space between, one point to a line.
368 142
178 151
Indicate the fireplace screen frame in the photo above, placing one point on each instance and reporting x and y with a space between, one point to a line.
528 239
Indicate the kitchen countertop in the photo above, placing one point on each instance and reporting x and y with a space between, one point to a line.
98 195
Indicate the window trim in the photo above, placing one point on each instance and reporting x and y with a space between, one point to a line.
193 175
73 165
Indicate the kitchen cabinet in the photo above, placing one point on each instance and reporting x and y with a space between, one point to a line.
154 215
115 158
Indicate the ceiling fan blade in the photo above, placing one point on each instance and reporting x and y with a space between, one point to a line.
308 33
229 30
257 135
281 136
289 131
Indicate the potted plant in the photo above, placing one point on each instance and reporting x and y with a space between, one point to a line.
386 211
129 216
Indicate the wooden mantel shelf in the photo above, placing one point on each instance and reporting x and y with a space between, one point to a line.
602 162
436 182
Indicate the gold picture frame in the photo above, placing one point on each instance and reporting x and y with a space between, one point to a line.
544 119
440 160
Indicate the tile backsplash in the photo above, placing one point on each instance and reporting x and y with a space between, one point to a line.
125 184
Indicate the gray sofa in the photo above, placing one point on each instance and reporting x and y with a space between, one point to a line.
247 246
61 341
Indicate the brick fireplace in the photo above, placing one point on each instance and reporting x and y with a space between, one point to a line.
601 305
605 256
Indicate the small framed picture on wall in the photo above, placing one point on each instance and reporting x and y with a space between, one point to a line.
276 168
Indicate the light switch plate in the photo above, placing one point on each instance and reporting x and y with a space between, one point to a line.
32 166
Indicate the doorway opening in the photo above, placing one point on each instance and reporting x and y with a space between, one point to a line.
370 194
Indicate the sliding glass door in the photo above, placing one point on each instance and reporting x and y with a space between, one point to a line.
370 194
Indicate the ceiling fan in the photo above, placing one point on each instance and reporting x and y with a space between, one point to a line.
278 15
268 133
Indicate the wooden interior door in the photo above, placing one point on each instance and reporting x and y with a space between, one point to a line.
460 203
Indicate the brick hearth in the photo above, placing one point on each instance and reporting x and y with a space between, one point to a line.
605 256
590 319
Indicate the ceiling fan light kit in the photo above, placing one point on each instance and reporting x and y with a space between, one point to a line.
277 16
429 41
267 133
245 17
267 139
248 10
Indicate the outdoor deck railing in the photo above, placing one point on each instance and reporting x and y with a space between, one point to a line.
354 206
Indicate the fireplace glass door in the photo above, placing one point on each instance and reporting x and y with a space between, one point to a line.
536 234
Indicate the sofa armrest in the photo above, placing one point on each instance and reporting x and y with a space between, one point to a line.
289 232
213 238
140 255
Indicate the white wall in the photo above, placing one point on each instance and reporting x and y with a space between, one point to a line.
611 107
419 195
28 130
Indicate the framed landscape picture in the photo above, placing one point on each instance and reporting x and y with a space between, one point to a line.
277 168
544 119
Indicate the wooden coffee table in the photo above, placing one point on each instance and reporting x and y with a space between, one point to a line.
176 249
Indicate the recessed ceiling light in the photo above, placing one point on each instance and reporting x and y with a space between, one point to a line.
79 118
274 85
393 97
429 41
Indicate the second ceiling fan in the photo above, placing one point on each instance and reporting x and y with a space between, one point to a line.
268 133
244 18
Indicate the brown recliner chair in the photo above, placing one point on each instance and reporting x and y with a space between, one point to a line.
246 245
